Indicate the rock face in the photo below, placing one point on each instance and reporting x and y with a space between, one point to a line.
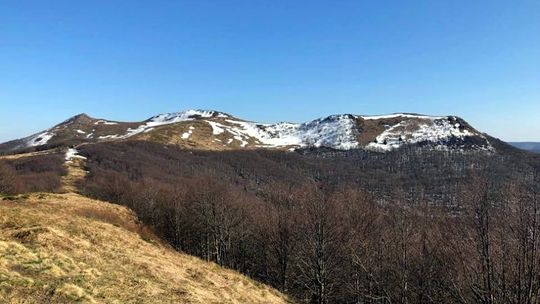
214 130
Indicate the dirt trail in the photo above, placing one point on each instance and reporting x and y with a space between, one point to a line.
75 171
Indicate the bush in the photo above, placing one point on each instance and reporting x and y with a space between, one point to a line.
9 181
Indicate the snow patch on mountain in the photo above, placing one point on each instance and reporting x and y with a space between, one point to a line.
336 131
39 139
282 134
244 130
105 122
187 134
217 128
73 153
400 115
171 118
434 130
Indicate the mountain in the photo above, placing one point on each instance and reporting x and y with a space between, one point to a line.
214 130
360 191
65 248
529 146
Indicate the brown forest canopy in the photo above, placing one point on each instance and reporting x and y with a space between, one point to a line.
325 226
32 174
411 226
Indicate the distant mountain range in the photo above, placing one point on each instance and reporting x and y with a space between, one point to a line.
529 146
214 130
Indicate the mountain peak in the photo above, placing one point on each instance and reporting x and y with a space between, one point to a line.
401 115
81 118
82 115
188 114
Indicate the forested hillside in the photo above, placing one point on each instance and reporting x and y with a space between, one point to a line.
32 173
325 226
65 248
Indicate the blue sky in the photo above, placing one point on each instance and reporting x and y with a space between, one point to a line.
271 60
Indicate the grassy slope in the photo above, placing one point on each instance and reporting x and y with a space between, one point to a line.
57 248
201 137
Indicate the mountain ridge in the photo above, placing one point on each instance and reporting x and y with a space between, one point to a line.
215 130
527 146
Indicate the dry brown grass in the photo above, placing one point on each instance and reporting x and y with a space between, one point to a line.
29 154
201 137
75 174
61 248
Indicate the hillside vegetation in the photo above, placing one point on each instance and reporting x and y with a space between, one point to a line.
59 248
32 172
415 225
326 226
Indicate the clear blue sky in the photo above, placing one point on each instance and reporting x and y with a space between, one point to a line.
271 60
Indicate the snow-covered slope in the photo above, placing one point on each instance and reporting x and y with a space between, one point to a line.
172 118
215 130
437 131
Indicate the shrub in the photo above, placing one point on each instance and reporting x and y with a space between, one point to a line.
41 173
